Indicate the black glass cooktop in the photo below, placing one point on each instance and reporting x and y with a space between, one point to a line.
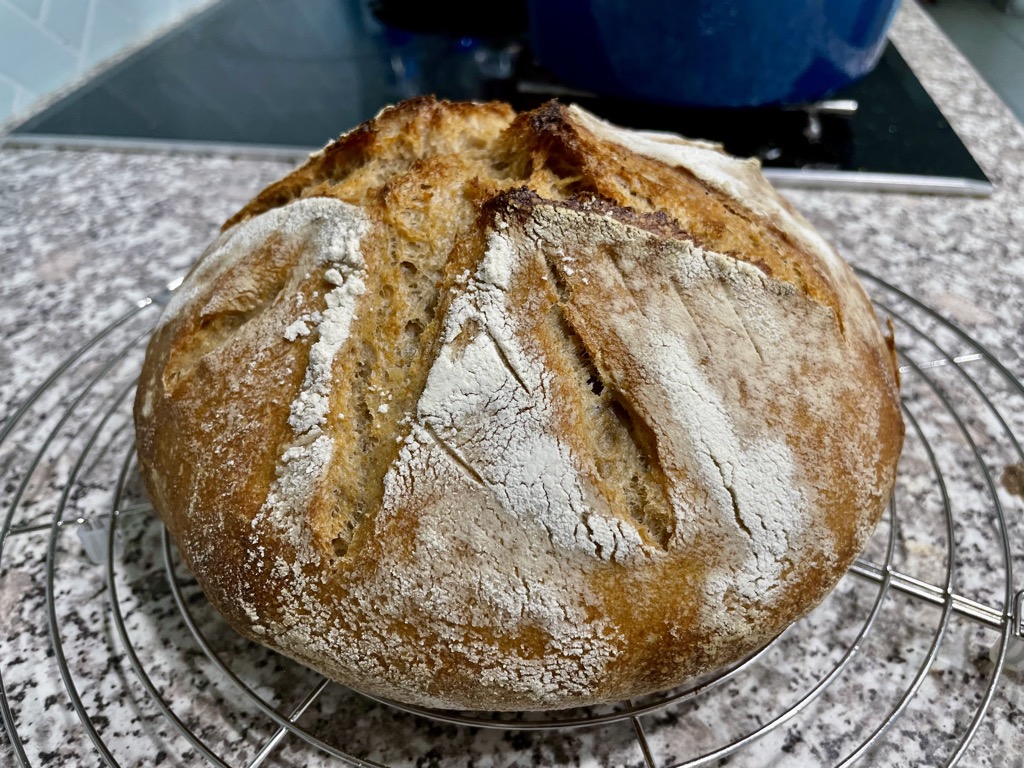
295 73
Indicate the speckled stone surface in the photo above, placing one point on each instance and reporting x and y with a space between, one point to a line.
85 235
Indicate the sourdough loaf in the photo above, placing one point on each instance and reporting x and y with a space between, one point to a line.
493 411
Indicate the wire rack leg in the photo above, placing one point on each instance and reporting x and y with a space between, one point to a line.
641 737
276 739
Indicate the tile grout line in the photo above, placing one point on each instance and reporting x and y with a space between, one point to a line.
17 93
90 22
21 91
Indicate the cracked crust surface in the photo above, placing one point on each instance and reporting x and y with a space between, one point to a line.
491 411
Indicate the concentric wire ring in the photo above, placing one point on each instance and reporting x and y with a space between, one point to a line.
69 383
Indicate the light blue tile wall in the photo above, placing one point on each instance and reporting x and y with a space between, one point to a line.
67 19
115 21
8 91
46 45
23 101
29 56
30 7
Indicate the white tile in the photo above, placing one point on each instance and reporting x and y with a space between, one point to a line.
24 102
114 26
152 14
30 8
29 56
8 90
66 19
118 24
179 10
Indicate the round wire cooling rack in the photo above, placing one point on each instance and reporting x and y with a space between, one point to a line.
109 654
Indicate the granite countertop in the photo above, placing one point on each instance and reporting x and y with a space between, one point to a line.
85 235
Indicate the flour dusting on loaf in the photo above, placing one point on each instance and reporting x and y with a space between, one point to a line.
495 411
334 251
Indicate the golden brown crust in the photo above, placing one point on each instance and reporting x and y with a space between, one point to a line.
498 411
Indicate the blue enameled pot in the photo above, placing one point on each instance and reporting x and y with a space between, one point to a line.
720 53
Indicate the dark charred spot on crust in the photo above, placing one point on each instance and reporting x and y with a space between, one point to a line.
518 201
550 116
890 345
521 202
413 106
559 146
